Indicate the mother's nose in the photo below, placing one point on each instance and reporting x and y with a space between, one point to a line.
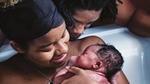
61 47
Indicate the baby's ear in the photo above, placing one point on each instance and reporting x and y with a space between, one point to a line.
97 65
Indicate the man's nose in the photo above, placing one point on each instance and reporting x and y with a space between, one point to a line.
79 29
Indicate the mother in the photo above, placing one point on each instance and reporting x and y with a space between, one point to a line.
38 33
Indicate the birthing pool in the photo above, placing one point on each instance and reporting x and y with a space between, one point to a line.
135 51
6 52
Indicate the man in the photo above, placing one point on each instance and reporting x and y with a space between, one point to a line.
80 14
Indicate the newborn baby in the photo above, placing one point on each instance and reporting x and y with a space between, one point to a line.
99 61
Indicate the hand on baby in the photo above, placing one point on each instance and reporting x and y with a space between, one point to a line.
80 77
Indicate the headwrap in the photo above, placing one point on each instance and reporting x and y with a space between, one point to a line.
29 19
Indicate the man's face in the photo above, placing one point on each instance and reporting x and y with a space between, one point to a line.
83 19
89 58
51 49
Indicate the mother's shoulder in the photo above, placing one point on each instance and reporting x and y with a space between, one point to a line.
78 46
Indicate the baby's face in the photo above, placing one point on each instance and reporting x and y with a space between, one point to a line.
89 58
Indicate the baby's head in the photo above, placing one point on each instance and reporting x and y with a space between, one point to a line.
111 59
105 58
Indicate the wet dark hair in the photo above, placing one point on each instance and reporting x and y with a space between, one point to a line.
68 7
111 58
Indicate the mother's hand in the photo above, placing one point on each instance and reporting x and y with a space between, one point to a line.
80 77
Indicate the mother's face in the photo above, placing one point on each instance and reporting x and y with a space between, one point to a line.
51 49
83 19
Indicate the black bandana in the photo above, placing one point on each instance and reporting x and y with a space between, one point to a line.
30 19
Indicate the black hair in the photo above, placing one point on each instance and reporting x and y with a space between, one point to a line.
68 7
111 58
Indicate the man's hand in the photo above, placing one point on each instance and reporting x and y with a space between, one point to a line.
80 77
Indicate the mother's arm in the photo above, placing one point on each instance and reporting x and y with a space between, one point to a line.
119 78
81 77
